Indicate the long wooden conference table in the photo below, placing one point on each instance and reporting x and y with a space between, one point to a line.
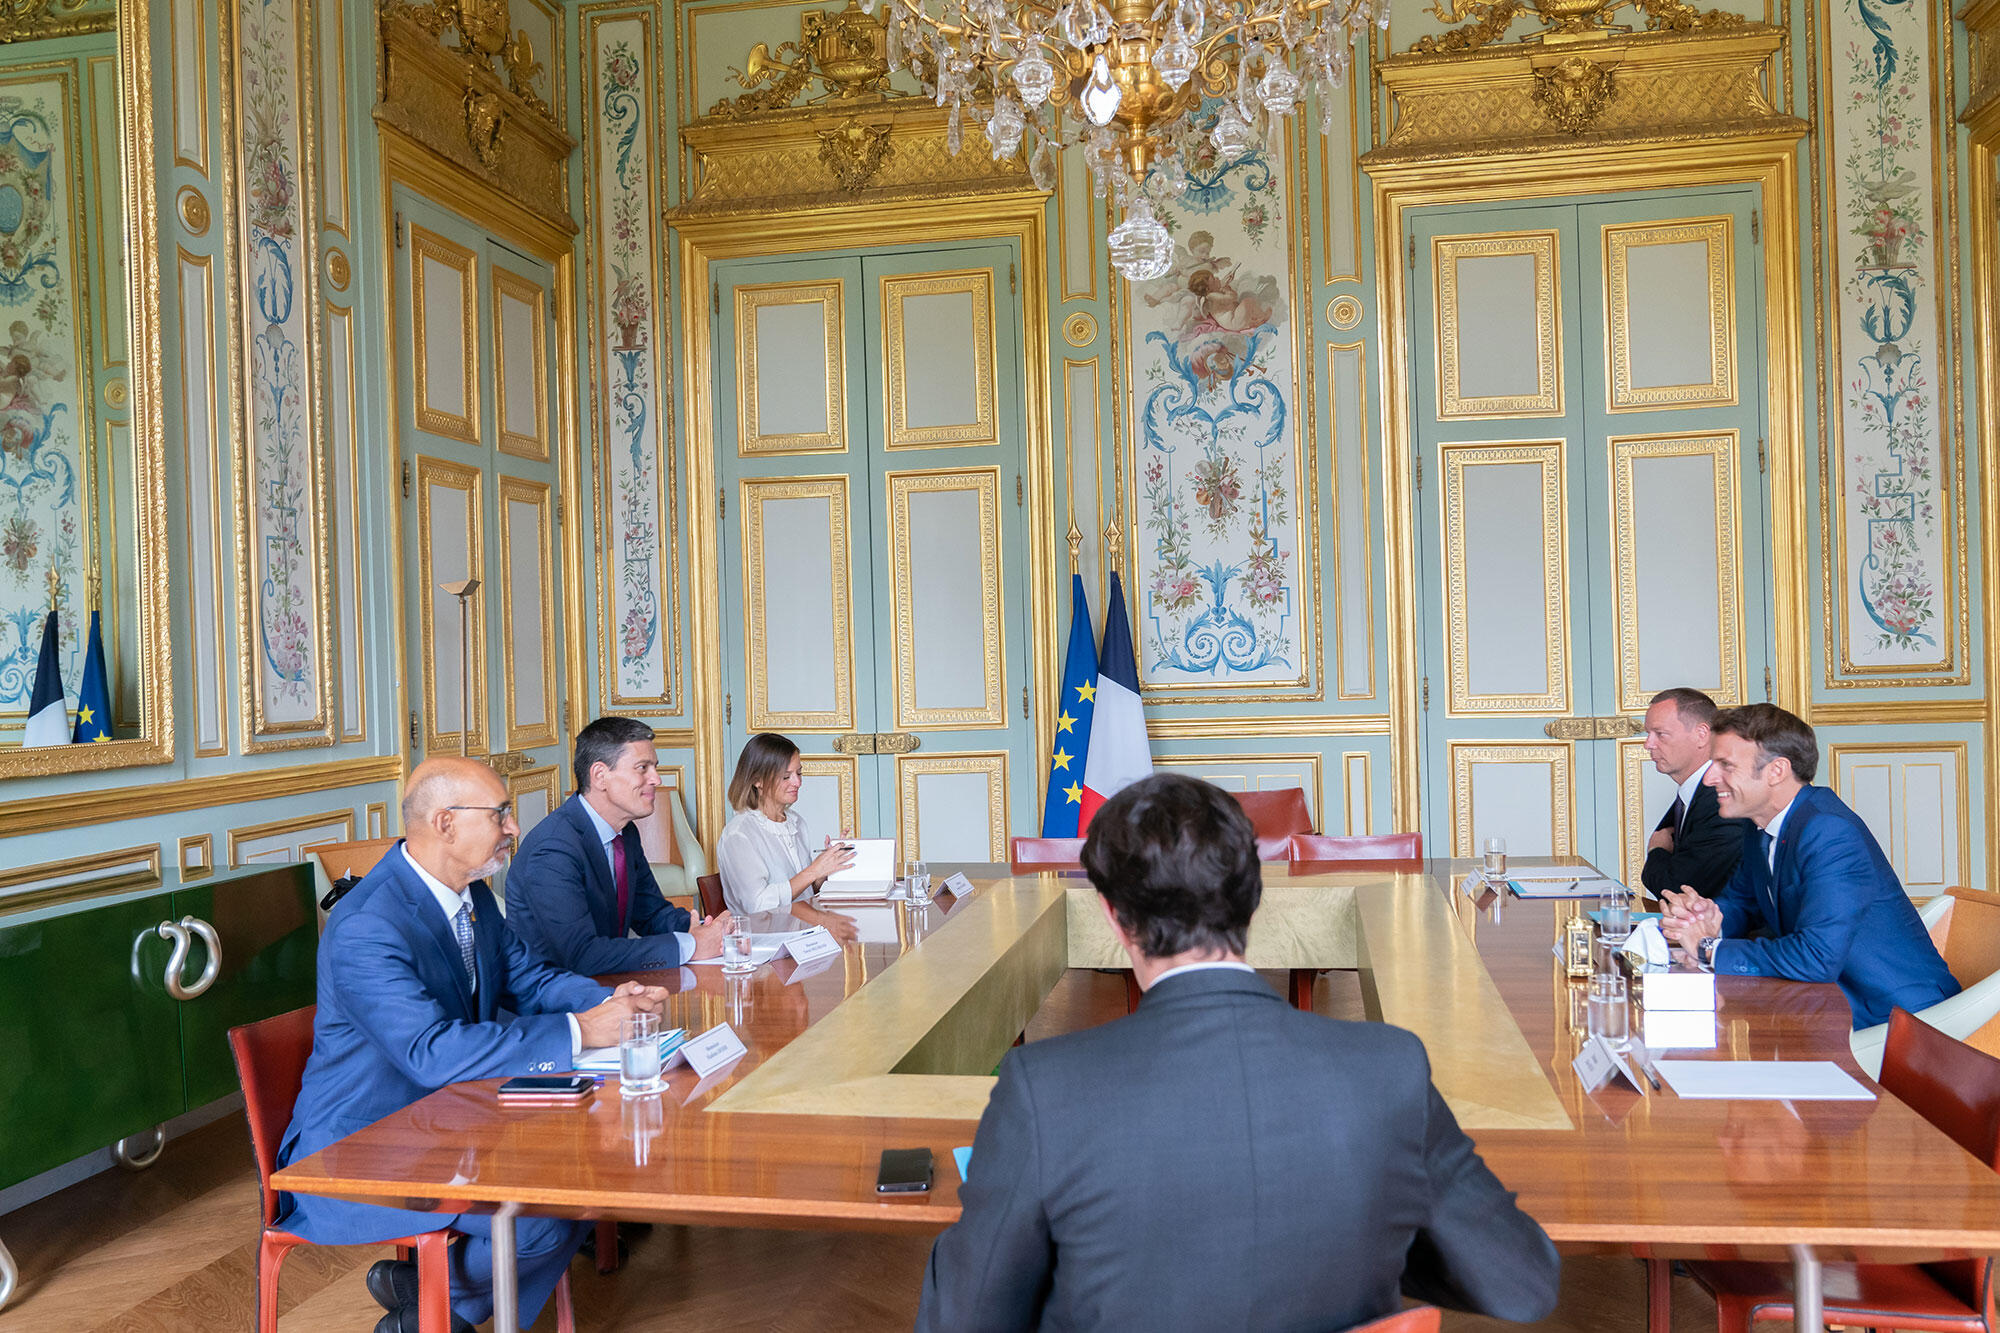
892 1044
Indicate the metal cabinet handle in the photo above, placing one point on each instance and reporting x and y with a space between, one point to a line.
179 932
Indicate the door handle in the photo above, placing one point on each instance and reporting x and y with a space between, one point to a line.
877 742
180 933
855 742
1610 728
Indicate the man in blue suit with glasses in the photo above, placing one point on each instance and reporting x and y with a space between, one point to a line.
421 984
1813 898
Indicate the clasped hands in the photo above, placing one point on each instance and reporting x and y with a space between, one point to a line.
1687 918
599 1026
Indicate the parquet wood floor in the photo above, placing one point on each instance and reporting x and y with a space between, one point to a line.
173 1250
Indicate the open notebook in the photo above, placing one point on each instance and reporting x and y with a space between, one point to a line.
872 875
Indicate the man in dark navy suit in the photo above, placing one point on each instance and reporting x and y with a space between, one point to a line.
1219 1159
1693 846
580 892
416 969
1813 898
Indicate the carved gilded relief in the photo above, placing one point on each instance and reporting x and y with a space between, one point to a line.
751 301
1460 462
1719 388
976 285
788 585
1545 397
983 483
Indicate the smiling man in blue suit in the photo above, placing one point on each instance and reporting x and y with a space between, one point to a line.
1813 898
416 969
581 892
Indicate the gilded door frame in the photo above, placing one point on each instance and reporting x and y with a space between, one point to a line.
411 164
1020 216
1768 160
1982 122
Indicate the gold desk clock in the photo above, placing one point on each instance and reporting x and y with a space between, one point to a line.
1576 946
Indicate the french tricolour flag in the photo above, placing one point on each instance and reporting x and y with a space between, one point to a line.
48 712
1119 754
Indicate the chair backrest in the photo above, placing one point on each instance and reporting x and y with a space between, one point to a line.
1946 1082
1278 813
1029 854
656 830
1416 1319
271 1064
1972 942
710 889
1359 847
351 858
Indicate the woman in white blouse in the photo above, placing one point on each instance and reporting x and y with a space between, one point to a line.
763 855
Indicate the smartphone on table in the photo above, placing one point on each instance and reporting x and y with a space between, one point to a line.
904 1171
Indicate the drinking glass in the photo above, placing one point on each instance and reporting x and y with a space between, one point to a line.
639 1055
736 948
920 883
642 1119
1614 914
1494 867
910 869
1610 1014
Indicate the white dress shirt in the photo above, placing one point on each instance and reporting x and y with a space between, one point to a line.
448 901
1208 966
605 833
758 856
1686 792
1771 852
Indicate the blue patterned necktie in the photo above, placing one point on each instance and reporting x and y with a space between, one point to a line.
461 926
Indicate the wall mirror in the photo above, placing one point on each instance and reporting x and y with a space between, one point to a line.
82 494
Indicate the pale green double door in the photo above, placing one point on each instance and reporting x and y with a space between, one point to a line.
476 414
1591 506
870 448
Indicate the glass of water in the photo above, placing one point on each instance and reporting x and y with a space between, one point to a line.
1494 865
910 869
736 948
1610 1012
1614 914
920 882
639 1055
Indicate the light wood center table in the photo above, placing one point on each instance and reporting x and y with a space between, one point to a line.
893 1044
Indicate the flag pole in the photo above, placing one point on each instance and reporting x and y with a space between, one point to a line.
1075 543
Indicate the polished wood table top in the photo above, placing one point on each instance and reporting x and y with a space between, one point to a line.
915 1015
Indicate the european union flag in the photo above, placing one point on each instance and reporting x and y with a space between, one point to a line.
1073 710
93 697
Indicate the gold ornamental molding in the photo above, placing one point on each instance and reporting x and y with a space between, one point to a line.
1610 90
841 154
1982 24
108 805
1615 727
845 51
1483 22
33 20
473 102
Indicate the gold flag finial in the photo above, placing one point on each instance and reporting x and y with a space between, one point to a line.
1075 543
1114 546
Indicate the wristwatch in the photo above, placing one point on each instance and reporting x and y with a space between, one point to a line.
1705 951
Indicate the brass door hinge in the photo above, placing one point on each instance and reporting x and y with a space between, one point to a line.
721 506
728 709
1427 694
1767 684
1420 471
1760 454
399 229
1010 278
1755 228
1413 252
406 479
1017 490
413 726
1024 701
715 298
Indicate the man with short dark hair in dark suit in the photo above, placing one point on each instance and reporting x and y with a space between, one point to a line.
1219 1159
1813 897
580 891
1693 847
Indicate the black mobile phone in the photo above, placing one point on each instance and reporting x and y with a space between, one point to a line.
554 1085
904 1171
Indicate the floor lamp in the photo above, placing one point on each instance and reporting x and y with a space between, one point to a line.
463 590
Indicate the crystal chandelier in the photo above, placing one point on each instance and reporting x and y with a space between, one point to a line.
1124 84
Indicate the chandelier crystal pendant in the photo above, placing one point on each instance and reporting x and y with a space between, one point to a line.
1124 85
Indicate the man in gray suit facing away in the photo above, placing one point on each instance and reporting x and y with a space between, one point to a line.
1219 1159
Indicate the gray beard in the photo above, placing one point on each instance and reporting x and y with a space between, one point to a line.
490 868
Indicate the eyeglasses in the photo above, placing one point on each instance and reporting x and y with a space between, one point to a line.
501 813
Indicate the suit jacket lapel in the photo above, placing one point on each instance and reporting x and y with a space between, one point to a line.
486 957
603 893
424 909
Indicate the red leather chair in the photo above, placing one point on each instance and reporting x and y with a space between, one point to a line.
271 1063
1276 816
1361 850
708 888
1957 1089
1416 1319
1027 855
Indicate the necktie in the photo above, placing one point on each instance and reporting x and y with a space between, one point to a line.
1764 842
1680 813
461 926
618 878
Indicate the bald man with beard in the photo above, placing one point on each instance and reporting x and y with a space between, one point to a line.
416 970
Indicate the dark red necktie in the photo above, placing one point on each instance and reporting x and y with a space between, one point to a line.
618 877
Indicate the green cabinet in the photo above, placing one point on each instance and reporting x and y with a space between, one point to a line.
94 1049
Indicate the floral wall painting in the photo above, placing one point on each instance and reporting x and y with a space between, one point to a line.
1894 505
1216 549
283 569
44 487
637 620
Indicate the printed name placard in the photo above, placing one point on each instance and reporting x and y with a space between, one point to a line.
808 945
959 885
1599 1061
713 1049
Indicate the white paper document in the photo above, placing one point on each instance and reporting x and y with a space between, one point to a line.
872 875
1763 1080
1532 874
1570 886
